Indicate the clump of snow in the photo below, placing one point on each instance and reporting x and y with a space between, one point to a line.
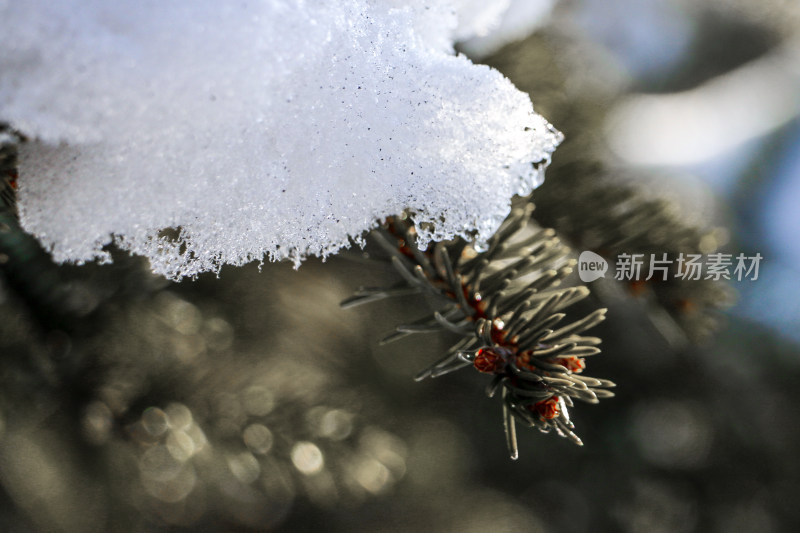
275 129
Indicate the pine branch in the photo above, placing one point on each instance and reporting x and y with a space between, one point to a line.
506 305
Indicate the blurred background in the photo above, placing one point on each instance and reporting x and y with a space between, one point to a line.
250 401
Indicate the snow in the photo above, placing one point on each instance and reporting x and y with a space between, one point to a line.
272 129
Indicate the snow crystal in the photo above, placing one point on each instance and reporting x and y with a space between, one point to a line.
203 133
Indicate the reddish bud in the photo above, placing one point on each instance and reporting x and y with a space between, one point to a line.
575 364
488 361
547 409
